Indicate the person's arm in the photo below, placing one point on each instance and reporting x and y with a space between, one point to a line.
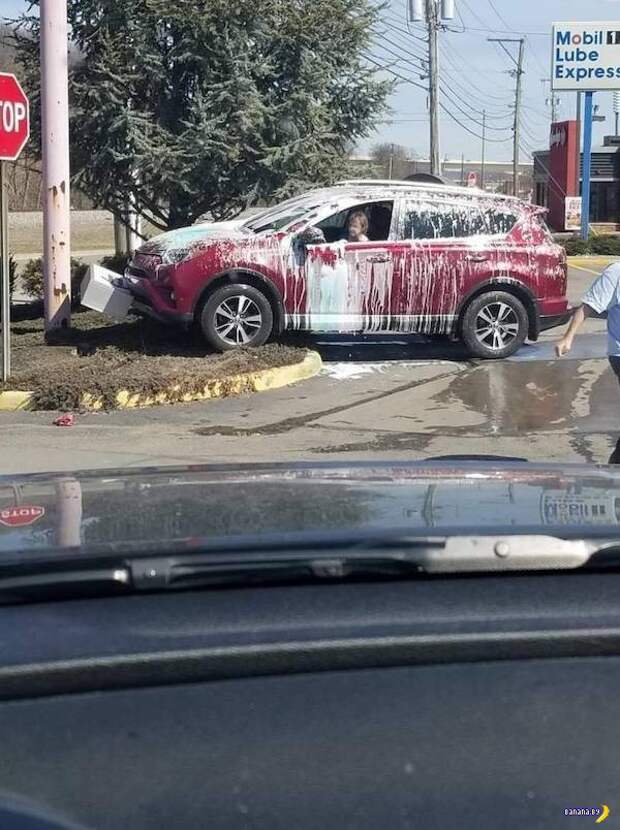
597 299
564 345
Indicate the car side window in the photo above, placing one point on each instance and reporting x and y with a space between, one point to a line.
379 215
436 220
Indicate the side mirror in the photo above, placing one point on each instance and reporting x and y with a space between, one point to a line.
312 236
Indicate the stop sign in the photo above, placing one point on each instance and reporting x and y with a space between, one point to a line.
14 118
25 514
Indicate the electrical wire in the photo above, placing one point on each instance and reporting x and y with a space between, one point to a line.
492 113
502 19
457 105
372 59
419 62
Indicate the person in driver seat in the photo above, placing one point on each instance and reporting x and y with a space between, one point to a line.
357 227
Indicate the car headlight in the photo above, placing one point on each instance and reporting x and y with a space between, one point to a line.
175 255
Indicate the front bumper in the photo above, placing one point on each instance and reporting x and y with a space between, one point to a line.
175 317
143 304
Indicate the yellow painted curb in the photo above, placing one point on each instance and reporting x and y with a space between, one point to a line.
12 400
249 382
596 259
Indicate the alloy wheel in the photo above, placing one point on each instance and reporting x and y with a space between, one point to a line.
497 325
238 320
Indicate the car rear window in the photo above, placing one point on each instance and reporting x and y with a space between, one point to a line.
441 221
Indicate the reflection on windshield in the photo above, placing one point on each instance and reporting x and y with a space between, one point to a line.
195 509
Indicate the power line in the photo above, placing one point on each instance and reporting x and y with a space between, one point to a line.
455 103
372 59
472 12
502 20
486 95
448 57
497 116
423 64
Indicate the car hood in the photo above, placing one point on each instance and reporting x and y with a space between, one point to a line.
184 508
196 235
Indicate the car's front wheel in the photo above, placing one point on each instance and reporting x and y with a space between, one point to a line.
494 325
236 316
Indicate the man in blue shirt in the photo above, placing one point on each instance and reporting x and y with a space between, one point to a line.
603 297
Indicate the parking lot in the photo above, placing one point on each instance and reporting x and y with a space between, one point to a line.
377 397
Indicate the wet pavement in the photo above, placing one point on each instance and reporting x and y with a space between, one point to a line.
377 397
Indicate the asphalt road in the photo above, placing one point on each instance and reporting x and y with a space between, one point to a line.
378 397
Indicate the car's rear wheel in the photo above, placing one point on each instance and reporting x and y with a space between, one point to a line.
236 316
494 325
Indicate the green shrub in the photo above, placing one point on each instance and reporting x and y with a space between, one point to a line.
605 244
115 262
575 246
32 278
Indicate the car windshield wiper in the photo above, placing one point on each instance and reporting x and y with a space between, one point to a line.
392 557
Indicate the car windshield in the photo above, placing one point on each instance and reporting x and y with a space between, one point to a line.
275 220
259 283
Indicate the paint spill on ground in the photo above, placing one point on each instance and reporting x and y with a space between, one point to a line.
353 371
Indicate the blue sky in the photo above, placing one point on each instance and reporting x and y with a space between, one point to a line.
475 73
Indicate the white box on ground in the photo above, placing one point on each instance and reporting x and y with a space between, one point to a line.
100 293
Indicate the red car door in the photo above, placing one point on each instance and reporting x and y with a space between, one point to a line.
448 250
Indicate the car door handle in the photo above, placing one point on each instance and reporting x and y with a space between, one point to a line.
476 258
385 258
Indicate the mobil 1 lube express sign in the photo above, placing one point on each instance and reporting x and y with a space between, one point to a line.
586 56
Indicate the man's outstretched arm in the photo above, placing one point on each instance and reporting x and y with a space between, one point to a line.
580 314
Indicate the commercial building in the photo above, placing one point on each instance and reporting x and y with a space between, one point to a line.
556 177
497 174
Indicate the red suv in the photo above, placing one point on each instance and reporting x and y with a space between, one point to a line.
437 260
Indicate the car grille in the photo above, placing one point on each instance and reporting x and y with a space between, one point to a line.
143 266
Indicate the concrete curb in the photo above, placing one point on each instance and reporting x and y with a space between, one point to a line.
12 400
259 381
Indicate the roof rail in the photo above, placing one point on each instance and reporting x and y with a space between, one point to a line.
405 184
399 183
379 182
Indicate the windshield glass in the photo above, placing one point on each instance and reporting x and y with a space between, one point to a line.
277 219
234 244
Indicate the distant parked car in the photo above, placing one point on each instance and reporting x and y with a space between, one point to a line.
438 260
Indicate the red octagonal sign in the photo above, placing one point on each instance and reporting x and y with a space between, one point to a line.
25 514
14 118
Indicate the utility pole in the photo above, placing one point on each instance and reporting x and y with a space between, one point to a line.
517 73
391 162
55 145
432 20
553 100
429 10
484 141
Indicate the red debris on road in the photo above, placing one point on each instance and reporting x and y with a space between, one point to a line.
66 420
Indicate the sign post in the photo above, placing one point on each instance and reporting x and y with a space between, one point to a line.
14 132
587 164
55 149
586 58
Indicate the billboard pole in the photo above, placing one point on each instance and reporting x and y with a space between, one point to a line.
587 158
55 145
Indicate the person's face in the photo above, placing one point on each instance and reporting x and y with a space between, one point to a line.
355 227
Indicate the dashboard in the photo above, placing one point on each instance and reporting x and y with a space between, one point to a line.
466 702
